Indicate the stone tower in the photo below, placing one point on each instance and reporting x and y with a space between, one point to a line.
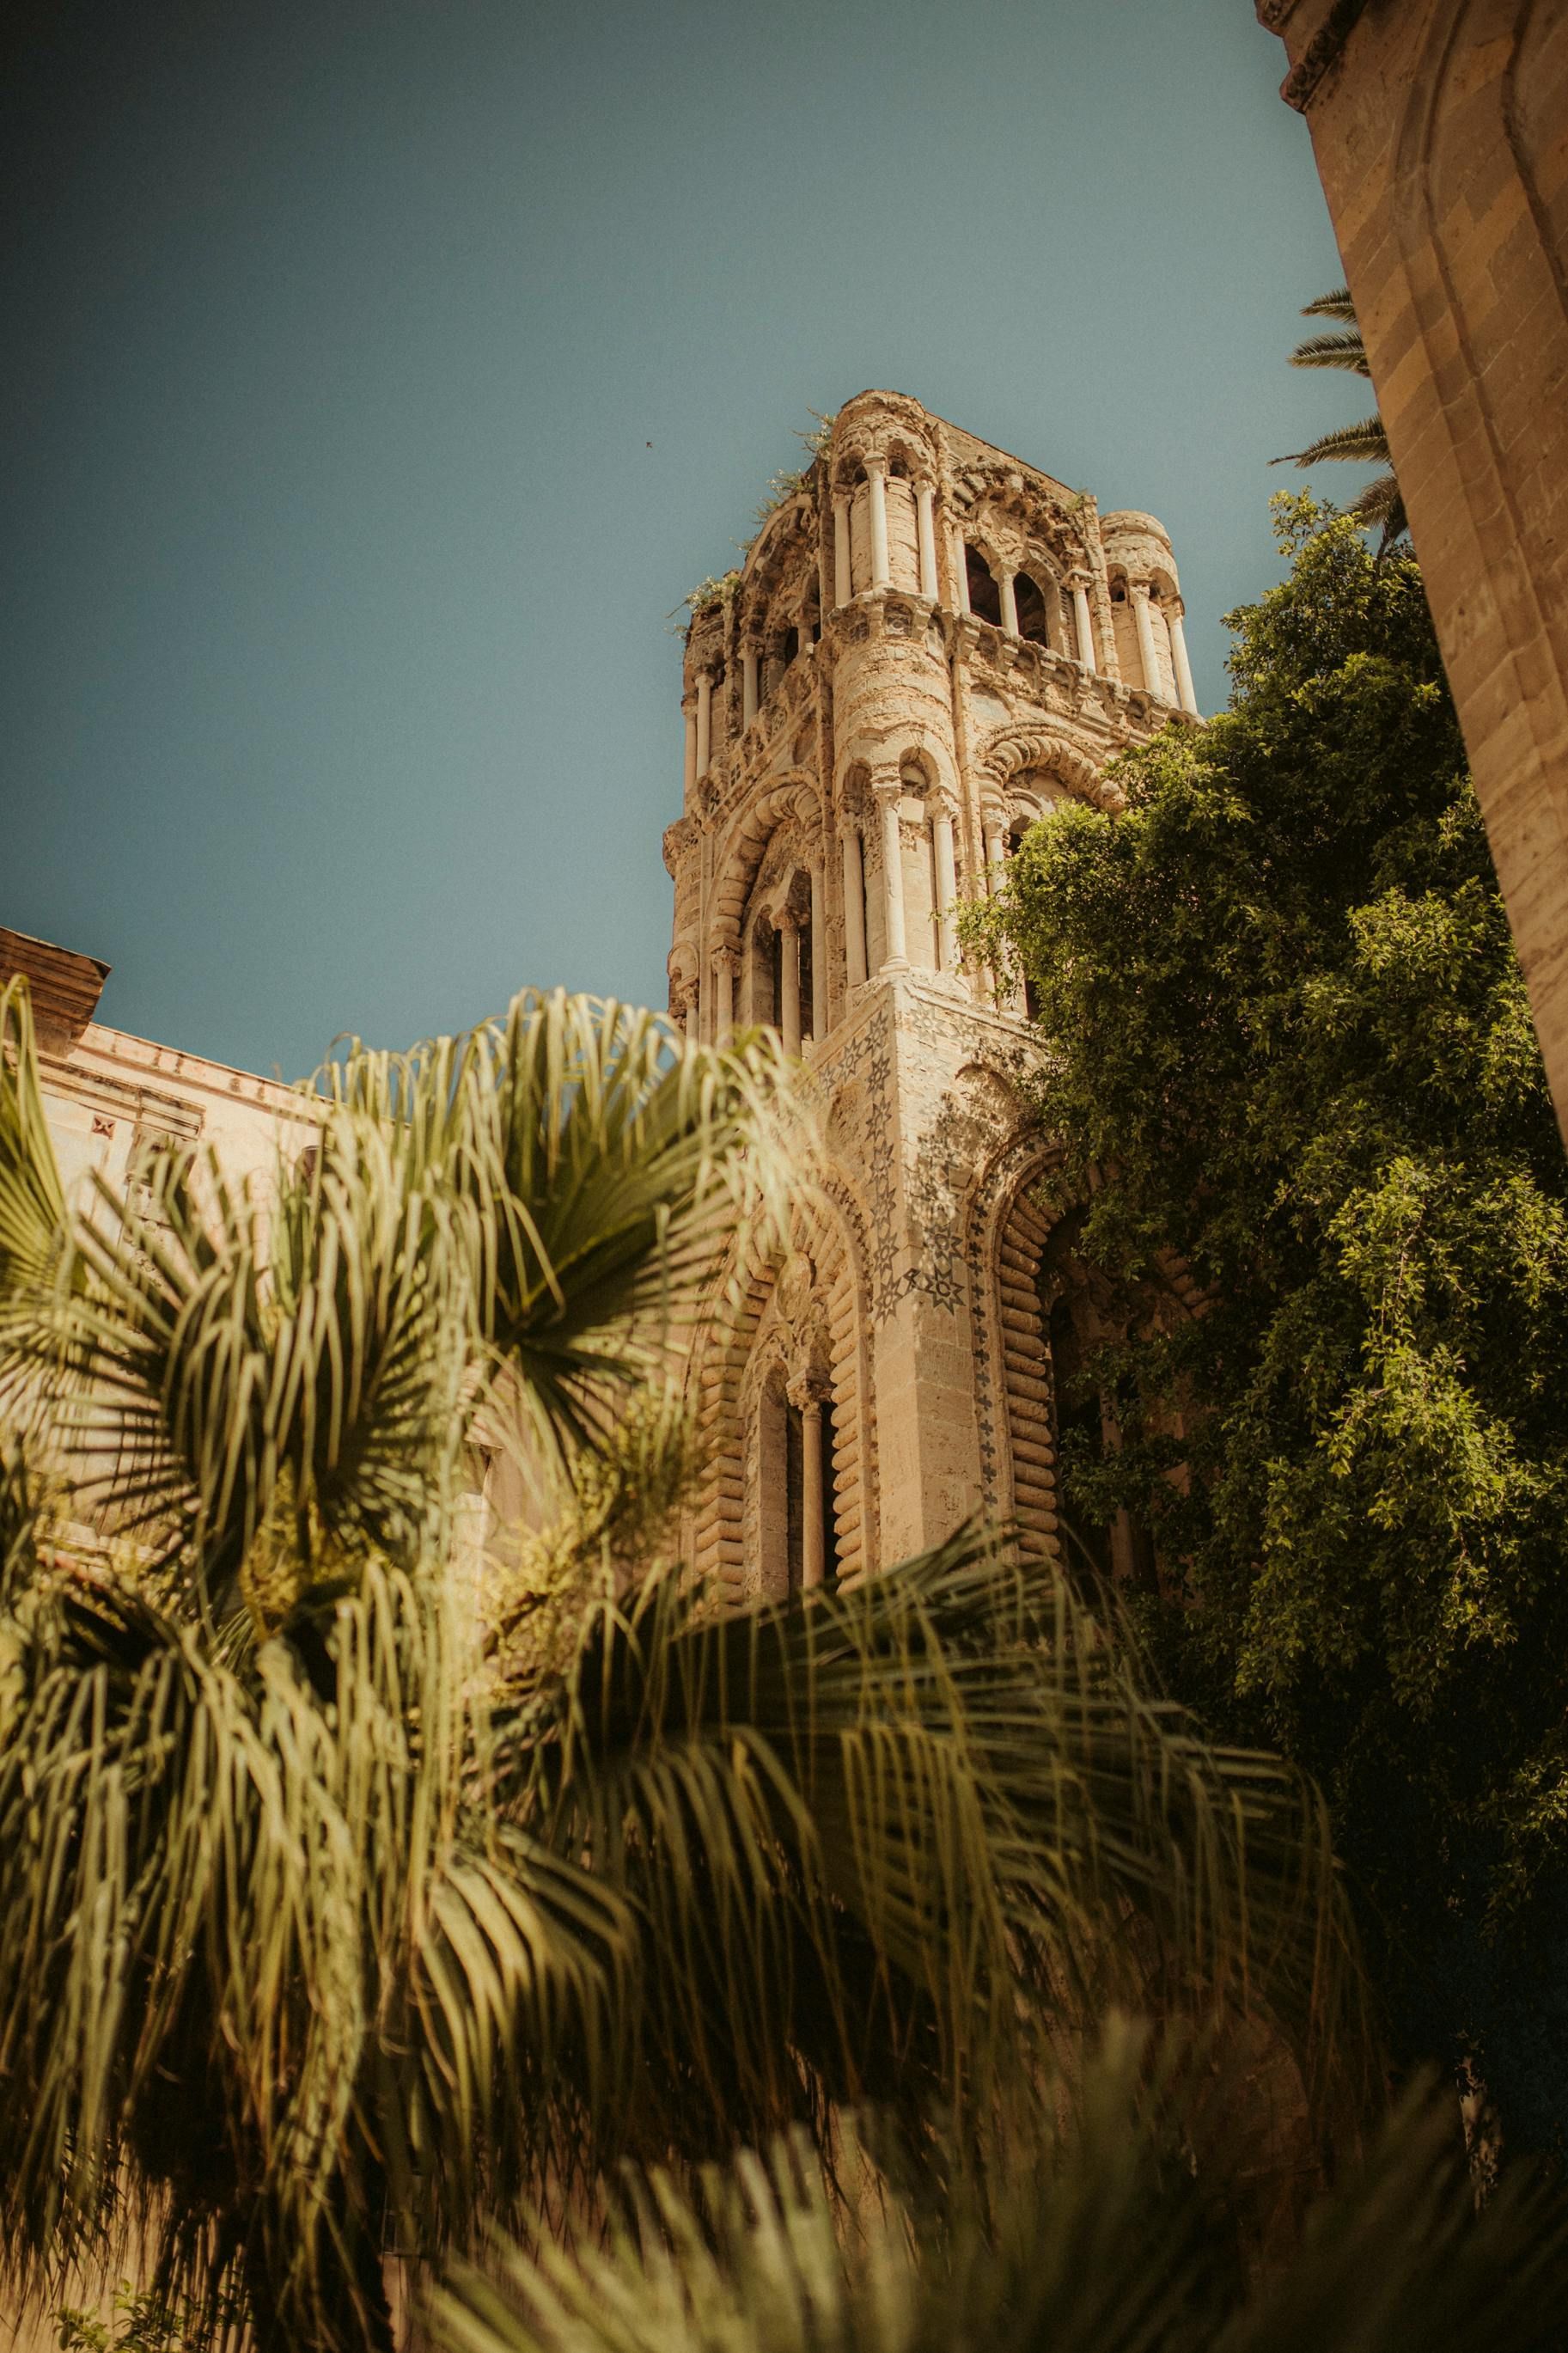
929 644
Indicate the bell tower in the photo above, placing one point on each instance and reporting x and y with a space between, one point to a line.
928 646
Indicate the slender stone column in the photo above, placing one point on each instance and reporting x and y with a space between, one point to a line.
704 720
1185 689
1138 591
841 583
789 963
944 811
811 1562
876 496
693 1015
960 569
996 855
818 955
925 527
748 685
691 767
1085 626
1009 603
854 909
803 637
889 798
726 964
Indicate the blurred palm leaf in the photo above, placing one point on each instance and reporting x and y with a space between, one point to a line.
1116 2230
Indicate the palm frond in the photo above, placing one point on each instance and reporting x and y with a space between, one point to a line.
32 1198
854 1832
1365 444
239 1381
1381 502
263 1966
1342 351
1115 2232
1335 304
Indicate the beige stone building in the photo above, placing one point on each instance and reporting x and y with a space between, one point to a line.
1440 129
109 1096
929 644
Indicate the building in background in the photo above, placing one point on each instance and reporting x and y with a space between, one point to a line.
1440 129
930 644
111 1097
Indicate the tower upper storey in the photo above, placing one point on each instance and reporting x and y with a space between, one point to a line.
927 643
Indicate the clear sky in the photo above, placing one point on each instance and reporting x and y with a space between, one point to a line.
380 376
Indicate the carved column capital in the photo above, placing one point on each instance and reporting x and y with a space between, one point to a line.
726 960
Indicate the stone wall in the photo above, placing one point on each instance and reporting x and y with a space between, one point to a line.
1440 129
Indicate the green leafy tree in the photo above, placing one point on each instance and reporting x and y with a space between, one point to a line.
1287 1046
1365 444
334 1919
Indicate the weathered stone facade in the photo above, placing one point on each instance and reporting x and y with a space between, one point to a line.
1440 129
929 644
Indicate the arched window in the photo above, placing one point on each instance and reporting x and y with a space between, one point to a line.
1033 619
780 1487
985 597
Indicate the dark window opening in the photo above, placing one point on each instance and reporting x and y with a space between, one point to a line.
1033 621
795 1496
791 647
807 1027
775 978
1079 1428
1082 1416
985 597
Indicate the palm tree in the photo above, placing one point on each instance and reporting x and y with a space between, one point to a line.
1124 2226
335 1920
1365 444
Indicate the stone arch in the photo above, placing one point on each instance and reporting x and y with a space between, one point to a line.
983 570
820 1333
1007 1233
795 800
1019 521
1013 750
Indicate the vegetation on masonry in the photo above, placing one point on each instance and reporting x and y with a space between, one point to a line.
718 590
1288 1049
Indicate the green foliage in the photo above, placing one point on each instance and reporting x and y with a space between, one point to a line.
326 1931
783 485
1127 2220
141 2322
714 590
1287 1045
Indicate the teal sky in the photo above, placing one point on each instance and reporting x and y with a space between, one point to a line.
381 376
